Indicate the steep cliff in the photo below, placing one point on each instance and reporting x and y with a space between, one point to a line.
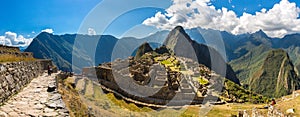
276 77
182 45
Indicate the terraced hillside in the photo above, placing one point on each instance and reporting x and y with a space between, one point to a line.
109 104
13 54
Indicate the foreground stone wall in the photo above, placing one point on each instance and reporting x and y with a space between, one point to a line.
14 76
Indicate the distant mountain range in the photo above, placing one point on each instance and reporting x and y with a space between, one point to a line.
71 52
246 54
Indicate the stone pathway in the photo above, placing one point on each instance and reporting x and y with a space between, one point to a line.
34 100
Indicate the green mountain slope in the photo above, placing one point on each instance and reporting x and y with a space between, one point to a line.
276 77
248 64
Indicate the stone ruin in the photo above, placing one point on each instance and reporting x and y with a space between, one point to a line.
14 51
132 78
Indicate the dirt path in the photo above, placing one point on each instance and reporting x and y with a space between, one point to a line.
34 100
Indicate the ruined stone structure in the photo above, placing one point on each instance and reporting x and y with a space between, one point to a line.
14 51
136 79
14 76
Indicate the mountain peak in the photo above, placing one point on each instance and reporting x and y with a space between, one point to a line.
276 77
261 33
179 28
144 48
177 36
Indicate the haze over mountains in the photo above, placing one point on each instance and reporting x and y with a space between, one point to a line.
246 54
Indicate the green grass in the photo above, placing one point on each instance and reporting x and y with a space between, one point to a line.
165 62
202 80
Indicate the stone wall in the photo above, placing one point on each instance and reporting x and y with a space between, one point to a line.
162 96
14 51
14 76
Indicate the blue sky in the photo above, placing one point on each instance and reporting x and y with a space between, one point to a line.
24 17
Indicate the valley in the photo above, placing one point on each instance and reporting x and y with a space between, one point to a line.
179 76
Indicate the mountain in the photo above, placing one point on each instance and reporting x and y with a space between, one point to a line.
68 53
252 50
244 52
182 45
72 52
144 48
276 77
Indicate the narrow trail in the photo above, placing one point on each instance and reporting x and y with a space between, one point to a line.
34 100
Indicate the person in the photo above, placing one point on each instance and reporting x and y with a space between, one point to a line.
49 70
273 102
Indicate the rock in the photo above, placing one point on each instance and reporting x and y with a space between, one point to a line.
63 111
39 106
2 69
7 110
3 114
48 110
9 79
43 100
290 111
11 69
51 87
60 104
51 105
51 114
34 113
55 97
13 114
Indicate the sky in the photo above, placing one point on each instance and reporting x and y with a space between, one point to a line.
21 21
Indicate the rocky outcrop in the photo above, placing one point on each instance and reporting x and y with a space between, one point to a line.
14 76
144 48
276 77
182 45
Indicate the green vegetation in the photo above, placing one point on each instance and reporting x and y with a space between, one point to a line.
171 63
247 65
236 93
276 77
167 62
202 80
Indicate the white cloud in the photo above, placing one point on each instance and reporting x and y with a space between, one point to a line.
278 21
12 39
91 31
48 30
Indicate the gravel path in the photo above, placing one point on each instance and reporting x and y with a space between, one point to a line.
34 100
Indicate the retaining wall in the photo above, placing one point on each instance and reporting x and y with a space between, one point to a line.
16 75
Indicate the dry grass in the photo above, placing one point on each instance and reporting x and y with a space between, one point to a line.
233 109
13 58
72 100
109 105
288 104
